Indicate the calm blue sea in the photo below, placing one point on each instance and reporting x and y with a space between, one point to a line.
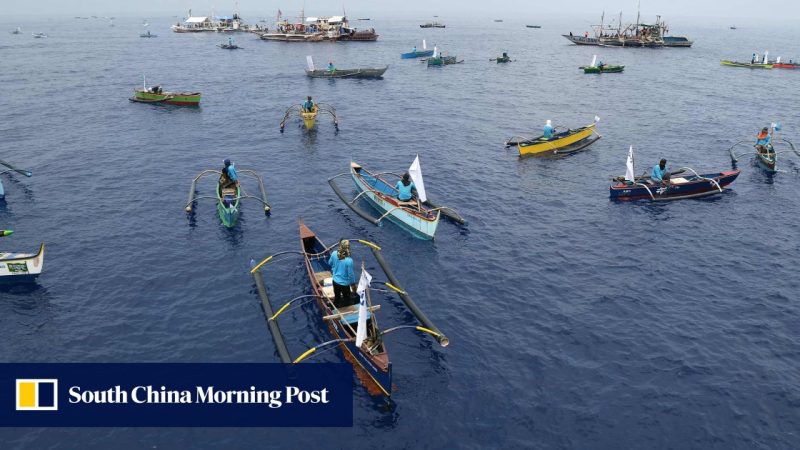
574 322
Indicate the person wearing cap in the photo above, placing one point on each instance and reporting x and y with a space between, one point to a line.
344 278
308 105
405 188
229 177
660 173
548 129
764 140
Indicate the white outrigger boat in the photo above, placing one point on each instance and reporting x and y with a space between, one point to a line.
20 267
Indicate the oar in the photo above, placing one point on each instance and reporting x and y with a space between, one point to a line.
27 173
4 233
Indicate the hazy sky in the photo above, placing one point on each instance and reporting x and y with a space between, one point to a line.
761 10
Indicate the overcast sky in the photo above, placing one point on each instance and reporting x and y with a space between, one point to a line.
758 10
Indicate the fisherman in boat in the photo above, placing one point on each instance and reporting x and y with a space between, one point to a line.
414 50
343 276
548 129
753 61
331 68
764 140
308 105
229 177
406 190
660 173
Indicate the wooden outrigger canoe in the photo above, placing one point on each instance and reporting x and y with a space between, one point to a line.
768 159
417 54
603 69
748 65
563 142
679 188
20 267
364 72
228 199
371 358
168 98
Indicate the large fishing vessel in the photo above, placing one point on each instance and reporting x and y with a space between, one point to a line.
219 24
317 29
630 35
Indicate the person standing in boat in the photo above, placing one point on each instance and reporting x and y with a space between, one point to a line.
229 176
308 105
343 276
755 58
548 129
764 140
405 188
660 173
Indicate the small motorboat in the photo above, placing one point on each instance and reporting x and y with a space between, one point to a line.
502 59
594 67
533 26
18 30
563 142
148 34
20 267
424 53
229 46
440 60
332 72
39 35
155 94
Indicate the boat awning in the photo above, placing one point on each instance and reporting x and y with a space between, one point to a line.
223 17
335 19
311 19
196 19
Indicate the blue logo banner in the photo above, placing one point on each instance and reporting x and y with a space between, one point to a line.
176 395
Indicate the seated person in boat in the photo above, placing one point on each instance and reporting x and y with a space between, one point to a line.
229 177
601 65
155 89
764 140
331 67
405 188
344 279
548 129
308 105
660 172
414 50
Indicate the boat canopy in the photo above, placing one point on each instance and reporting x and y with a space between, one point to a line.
311 19
336 19
223 17
196 19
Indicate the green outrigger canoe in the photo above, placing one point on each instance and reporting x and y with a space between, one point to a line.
156 95
748 65
602 69
228 205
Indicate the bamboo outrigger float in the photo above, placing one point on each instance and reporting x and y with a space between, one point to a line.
11 169
354 328
228 198
420 216
310 117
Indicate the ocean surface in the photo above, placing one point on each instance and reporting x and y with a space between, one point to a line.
574 322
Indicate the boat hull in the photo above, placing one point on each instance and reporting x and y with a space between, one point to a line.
382 197
169 98
767 161
376 366
679 189
557 142
728 63
605 69
21 267
309 118
785 66
376 72
417 54
228 209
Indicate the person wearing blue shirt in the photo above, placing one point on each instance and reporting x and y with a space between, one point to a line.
308 105
331 68
660 173
343 276
548 129
229 177
405 188
764 139
414 50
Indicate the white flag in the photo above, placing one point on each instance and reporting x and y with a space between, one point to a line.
363 285
424 45
310 62
629 176
766 53
435 51
416 176
594 61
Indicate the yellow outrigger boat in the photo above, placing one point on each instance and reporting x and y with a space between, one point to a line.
309 117
564 142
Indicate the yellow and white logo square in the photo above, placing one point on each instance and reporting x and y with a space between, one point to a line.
37 394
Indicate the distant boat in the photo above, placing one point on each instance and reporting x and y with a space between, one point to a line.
17 31
148 34
498 20
365 18
433 24
39 35
733 27
533 26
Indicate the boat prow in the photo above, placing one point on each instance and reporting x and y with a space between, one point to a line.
21 267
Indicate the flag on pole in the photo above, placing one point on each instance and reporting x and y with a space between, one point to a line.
629 175
310 62
416 176
363 285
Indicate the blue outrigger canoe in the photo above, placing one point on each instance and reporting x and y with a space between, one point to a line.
417 54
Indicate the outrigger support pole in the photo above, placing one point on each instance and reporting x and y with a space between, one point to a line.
364 215
280 345
193 188
260 188
423 319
